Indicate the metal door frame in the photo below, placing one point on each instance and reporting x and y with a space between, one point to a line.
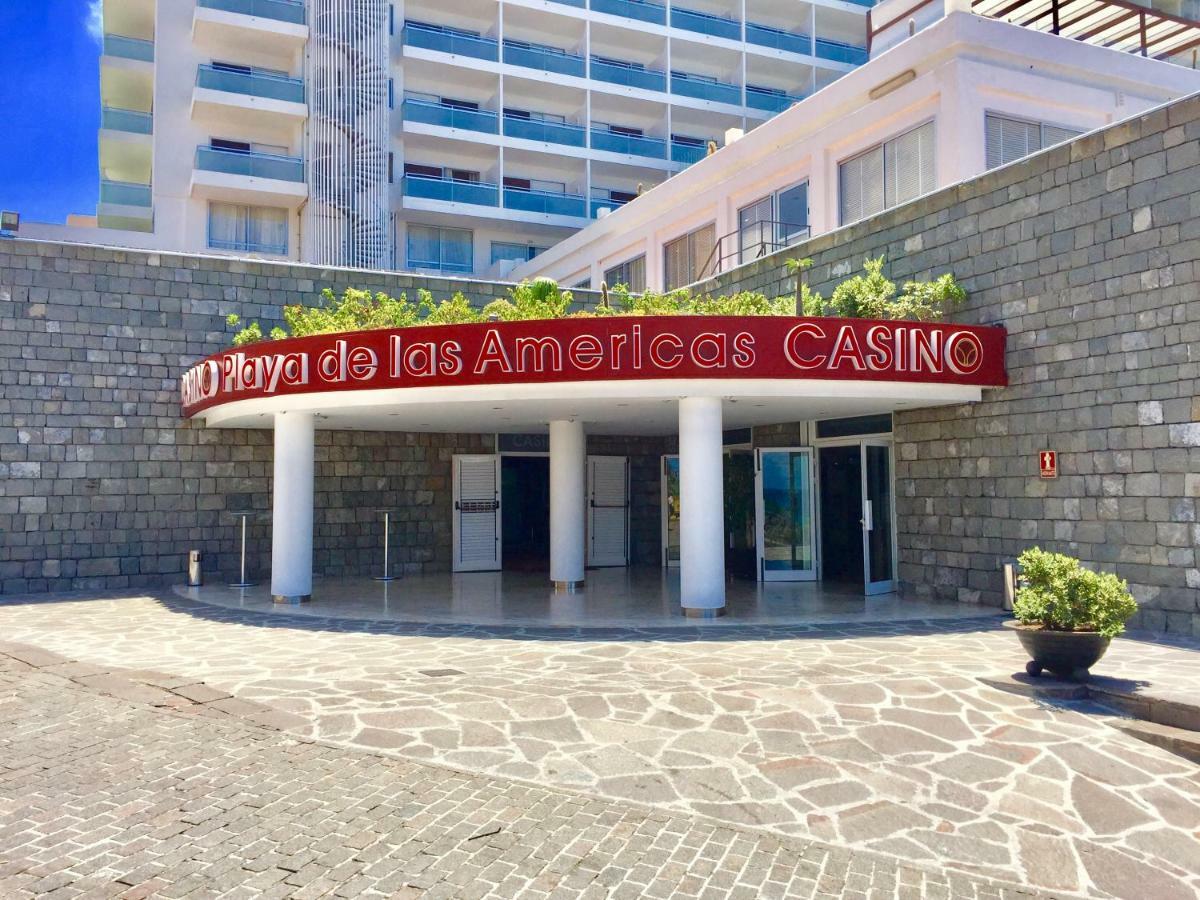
760 517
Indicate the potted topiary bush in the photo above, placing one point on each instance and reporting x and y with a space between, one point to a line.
1067 615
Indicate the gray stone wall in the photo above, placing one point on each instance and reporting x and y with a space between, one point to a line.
103 485
1087 254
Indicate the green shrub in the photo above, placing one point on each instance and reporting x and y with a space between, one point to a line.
1058 593
872 295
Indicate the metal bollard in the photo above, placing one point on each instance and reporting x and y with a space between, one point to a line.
1010 584
194 577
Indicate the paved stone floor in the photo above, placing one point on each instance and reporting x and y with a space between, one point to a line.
875 738
134 785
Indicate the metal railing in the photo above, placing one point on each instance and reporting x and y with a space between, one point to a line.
547 131
706 23
544 59
687 85
253 164
545 202
752 242
629 144
778 39
626 74
128 48
632 9
252 83
419 34
125 193
128 120
768 100
839 52
431 113
477 193
281 10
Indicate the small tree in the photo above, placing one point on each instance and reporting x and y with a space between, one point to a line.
1058 593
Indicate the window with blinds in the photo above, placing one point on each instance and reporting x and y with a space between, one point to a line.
1011 139
889 174
631 273
689 258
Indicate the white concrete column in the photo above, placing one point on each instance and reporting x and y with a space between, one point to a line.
701 508
568 461
292 509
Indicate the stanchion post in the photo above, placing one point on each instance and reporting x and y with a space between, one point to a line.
243 583
387 572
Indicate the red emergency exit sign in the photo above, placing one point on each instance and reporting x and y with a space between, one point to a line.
1048 464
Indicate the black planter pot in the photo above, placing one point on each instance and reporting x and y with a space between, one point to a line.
1068 654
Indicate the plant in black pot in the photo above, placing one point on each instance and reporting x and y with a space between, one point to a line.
1066 615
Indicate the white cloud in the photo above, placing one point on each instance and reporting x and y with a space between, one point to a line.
95 19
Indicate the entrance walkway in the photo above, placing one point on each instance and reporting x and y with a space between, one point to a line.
613 598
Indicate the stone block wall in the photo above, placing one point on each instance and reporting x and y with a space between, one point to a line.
1089 254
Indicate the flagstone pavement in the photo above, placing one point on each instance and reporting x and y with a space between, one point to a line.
878 738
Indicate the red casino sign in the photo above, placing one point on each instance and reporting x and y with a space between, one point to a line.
602 349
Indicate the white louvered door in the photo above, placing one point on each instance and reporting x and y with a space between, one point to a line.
608 510
476 513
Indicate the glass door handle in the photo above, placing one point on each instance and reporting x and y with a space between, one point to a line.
867 520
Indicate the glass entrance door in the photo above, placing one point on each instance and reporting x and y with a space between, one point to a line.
878 546
784 494
670 511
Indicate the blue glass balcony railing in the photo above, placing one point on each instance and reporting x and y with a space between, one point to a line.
581 4
280 10
418 34
688 153
128 48
779 39
124 193
599 203
255 165
545 202
629 144
254 84
541 130
839 52
702 89
632 9
706 23
477 193
483 120
545 59
127 120
631 76
769 101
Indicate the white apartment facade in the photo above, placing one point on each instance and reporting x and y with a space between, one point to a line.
410 135
946 95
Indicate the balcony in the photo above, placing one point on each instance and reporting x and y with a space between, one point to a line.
128 121
267 85
768 100
248 177
702 88
706 23
626 74
547 202
542 58
579 4
475 193
599 203
125 206
688 153
545 131
122 47
632 9
445 115
778 39
433 37
628 144
250 25
839 52
245 98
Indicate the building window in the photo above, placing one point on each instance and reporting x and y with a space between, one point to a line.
631 273
1010 139
252 229
515 252
772 223
441 249
887 175
755 236
689 258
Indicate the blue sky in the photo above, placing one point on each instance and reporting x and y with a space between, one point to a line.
49 107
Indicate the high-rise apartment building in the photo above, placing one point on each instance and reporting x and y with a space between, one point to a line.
455 138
